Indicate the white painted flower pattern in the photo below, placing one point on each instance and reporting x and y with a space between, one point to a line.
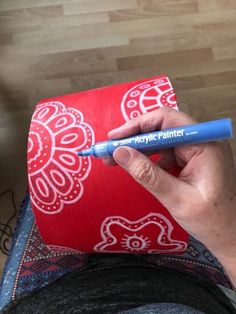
150 234
148 96
56 173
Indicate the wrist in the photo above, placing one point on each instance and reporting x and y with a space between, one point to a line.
229 266
223 246
226 255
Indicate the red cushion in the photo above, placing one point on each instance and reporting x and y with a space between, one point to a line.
81 204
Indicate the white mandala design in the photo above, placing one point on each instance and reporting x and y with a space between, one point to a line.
55 171
147 96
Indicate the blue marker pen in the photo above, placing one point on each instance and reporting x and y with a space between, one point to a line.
153 141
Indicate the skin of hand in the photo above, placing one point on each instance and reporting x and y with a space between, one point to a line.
202 199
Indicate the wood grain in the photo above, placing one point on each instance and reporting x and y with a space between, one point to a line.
51 47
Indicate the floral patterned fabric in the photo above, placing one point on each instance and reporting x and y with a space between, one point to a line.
31 265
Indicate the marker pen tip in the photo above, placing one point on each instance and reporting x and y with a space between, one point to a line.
85 152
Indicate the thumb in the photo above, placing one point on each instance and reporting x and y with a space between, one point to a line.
168 189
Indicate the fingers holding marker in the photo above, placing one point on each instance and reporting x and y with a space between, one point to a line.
167 188
166 160
159 119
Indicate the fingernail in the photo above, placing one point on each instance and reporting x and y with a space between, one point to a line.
122 155
113 131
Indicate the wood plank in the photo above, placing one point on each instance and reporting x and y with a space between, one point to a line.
226 51
44 11
21 24
63 44
148 9
97 6
7 5
167 60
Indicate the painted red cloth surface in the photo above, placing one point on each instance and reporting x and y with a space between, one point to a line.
79 203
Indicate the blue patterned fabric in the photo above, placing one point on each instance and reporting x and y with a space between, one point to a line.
24 225
31 265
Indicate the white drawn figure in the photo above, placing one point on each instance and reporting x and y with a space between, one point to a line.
150 234
147 96
55 172
135 242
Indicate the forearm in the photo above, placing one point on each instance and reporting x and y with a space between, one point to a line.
229 264
230 268
226 254
222 243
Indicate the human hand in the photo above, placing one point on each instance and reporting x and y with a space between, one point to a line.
202 199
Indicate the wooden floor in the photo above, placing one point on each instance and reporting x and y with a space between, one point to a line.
52 47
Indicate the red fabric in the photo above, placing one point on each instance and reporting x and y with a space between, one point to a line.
81 204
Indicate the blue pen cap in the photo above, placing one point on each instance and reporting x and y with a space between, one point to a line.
213 130
228 124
